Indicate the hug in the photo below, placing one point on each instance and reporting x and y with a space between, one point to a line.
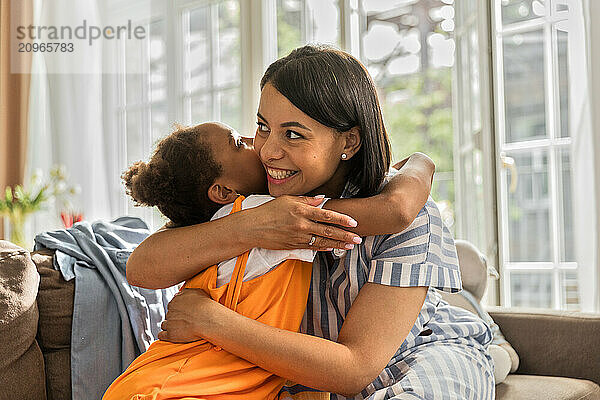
300 200
354 277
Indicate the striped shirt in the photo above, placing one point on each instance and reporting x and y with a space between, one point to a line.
421 255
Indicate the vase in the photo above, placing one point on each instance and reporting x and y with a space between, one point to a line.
16 221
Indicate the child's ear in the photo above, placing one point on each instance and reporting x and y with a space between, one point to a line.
221 194
353 142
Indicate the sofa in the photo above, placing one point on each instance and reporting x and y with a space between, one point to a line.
559 352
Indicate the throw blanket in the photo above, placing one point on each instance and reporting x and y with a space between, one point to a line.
113 322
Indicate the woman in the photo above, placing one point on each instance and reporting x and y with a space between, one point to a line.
374 326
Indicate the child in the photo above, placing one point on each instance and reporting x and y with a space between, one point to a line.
192 174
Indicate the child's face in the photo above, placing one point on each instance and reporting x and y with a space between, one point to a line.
242 168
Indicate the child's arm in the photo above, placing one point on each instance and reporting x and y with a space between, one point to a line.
398 204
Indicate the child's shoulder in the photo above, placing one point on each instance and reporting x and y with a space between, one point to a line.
253 200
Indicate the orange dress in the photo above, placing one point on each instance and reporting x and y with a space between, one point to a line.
199 370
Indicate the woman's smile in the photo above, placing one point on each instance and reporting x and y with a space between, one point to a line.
278 176
296 150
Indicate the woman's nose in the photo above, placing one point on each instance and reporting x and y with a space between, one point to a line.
271 149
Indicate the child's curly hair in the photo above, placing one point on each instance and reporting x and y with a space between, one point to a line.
177 178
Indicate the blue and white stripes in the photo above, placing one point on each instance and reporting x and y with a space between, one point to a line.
422 255
444 356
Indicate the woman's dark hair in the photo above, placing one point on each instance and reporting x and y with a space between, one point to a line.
335 89
177 178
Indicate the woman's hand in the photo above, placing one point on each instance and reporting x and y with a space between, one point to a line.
188 311
290 222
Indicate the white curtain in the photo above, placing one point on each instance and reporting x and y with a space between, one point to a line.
588 206
66 116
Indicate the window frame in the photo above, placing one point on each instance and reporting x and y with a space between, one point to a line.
481 18
258 45
553 144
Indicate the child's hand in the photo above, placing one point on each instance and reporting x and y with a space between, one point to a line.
188 310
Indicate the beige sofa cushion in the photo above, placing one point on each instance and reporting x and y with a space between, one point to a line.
58 374
21 361
55 302
532 387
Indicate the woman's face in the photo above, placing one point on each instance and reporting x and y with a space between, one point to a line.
300 155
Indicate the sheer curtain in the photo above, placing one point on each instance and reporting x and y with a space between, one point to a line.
14 90
591 10
66 116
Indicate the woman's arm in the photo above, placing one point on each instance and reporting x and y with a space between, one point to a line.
397 205
373 330
170 256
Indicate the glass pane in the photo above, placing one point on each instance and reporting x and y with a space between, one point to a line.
477 213
521 10
135 150
198 57
529 208
570 290
133 81
231 108
469 7
159 124
475 80
303 21
290 17
227 70
524 88
201 109
566 206
443 191
563 80
473 200
467 100
323 22
158 64
531 289
410 56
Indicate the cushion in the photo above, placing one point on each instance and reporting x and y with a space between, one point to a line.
473 268
21 361
532 387
24 377
55 303
58 374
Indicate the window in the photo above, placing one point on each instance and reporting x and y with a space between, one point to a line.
305 21
409 52
140 109
211 49
187 71
539 263
520 172
489 89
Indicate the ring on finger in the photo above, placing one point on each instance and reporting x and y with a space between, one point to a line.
312 240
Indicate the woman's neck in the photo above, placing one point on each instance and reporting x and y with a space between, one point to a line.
335 186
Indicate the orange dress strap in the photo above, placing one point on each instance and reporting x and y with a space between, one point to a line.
237 277
201 371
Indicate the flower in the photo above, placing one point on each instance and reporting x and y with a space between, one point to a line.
22 200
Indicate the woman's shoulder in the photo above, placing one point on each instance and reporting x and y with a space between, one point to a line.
422 255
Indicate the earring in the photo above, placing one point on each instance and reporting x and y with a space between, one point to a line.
344 156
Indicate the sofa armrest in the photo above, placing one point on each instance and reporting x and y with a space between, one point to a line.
554 343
